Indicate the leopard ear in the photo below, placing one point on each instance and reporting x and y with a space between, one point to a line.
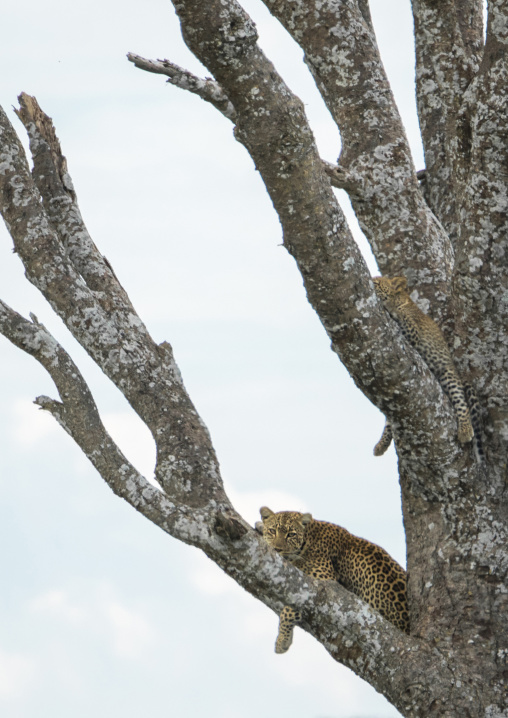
306 519
259 527
265 512
399 284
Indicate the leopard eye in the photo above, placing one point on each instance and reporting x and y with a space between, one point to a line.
272 532
291 534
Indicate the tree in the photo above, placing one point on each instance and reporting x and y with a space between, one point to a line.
448 237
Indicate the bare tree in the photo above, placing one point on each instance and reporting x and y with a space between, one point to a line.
447 236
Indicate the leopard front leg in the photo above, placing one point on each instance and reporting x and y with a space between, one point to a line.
289 618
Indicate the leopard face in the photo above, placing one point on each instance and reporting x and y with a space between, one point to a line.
392 291
284 531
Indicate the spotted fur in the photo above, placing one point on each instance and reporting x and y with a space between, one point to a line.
329 552
426 337
385 440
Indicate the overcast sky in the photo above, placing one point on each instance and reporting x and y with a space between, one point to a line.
100 612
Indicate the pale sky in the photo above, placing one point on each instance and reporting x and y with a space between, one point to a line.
101 613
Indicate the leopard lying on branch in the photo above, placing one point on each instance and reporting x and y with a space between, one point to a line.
426 337
329 552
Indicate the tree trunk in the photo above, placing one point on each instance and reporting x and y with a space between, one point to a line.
448 237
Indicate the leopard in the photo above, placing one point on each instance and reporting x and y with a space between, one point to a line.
330 553
424 335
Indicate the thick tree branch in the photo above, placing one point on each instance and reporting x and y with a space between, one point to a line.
117 340
341 52
52 179
449 41
403 422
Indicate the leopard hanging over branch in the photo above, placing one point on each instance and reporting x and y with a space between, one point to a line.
329 552
426 337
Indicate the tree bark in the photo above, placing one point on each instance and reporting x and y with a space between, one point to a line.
449 241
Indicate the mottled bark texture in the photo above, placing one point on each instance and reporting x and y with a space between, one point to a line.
449 240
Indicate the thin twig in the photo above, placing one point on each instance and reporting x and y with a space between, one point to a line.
207 89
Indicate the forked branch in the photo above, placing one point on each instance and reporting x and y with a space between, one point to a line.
77 413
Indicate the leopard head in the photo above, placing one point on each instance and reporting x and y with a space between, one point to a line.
392 291
284 531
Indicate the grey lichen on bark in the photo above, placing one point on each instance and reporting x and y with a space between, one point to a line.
450 243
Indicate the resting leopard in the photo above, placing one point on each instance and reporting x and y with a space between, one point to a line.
426 337
329 552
